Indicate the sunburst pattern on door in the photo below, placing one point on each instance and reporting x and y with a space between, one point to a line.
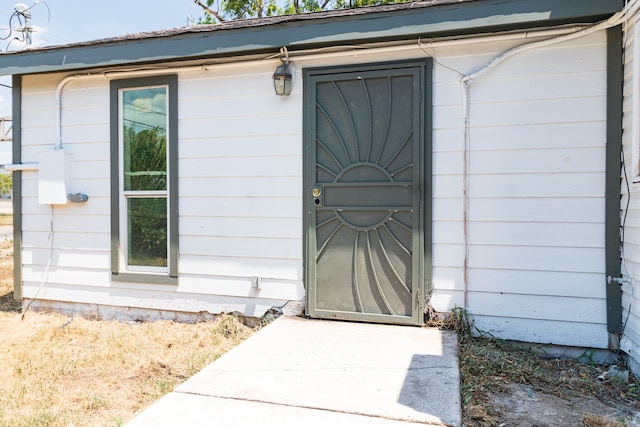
365 146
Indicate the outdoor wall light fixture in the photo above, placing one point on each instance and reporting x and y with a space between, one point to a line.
283 79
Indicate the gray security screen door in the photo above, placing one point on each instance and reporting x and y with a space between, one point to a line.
365 191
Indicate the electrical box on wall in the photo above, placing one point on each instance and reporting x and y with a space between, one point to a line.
54 177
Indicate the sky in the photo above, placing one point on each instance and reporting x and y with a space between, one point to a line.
59 22
75 20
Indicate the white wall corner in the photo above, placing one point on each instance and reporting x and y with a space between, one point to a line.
635 110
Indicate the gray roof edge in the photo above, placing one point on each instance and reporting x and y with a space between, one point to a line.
426 19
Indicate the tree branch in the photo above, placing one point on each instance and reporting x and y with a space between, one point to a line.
209 10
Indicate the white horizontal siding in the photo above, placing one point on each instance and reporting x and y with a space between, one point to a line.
538 307
537 282
48 280
230 286
539 136
536 209
239 185
213 226
631 321
544 88
96 239
244 186
285 145
264 125
531 185
567 259
66 258
242 167
539 161
536 187
534 112
96 205
630 342
250 207
162 299
537 234
206 266
510 89
536 193
241 286
579 334
241 247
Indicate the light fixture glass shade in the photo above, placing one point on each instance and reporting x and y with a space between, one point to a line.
283 79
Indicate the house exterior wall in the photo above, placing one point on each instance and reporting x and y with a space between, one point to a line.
536 194
535 206
630 200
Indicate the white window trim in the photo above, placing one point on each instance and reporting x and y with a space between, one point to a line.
120 272
125 195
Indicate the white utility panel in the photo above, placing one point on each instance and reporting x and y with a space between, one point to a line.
54 177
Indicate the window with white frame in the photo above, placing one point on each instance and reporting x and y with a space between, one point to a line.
144 179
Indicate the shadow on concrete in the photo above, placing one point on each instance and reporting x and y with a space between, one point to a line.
431 386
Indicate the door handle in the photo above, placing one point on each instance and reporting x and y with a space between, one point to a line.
316 196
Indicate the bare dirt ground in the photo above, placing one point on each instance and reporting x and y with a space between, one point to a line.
506 386
522 405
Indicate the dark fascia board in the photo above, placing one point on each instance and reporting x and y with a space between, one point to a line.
428 19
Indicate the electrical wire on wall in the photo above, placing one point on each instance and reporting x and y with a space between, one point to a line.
625 273
45 273
628 278
466 160
466 180
466 80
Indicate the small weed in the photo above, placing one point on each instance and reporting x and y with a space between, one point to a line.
458 320
594 420
587 356
42 418
97 402
164 385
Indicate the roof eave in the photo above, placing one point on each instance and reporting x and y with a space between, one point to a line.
328 29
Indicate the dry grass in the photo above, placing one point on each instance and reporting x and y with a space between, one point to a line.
6 219
61 371
7 302
594 420
76 372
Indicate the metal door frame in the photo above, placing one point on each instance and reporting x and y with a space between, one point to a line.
422 258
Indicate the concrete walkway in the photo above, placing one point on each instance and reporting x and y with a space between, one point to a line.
322 373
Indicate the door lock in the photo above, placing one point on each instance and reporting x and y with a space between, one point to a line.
316 192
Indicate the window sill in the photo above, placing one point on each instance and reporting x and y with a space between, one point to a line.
156 279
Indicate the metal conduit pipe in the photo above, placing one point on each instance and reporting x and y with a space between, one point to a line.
631 8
